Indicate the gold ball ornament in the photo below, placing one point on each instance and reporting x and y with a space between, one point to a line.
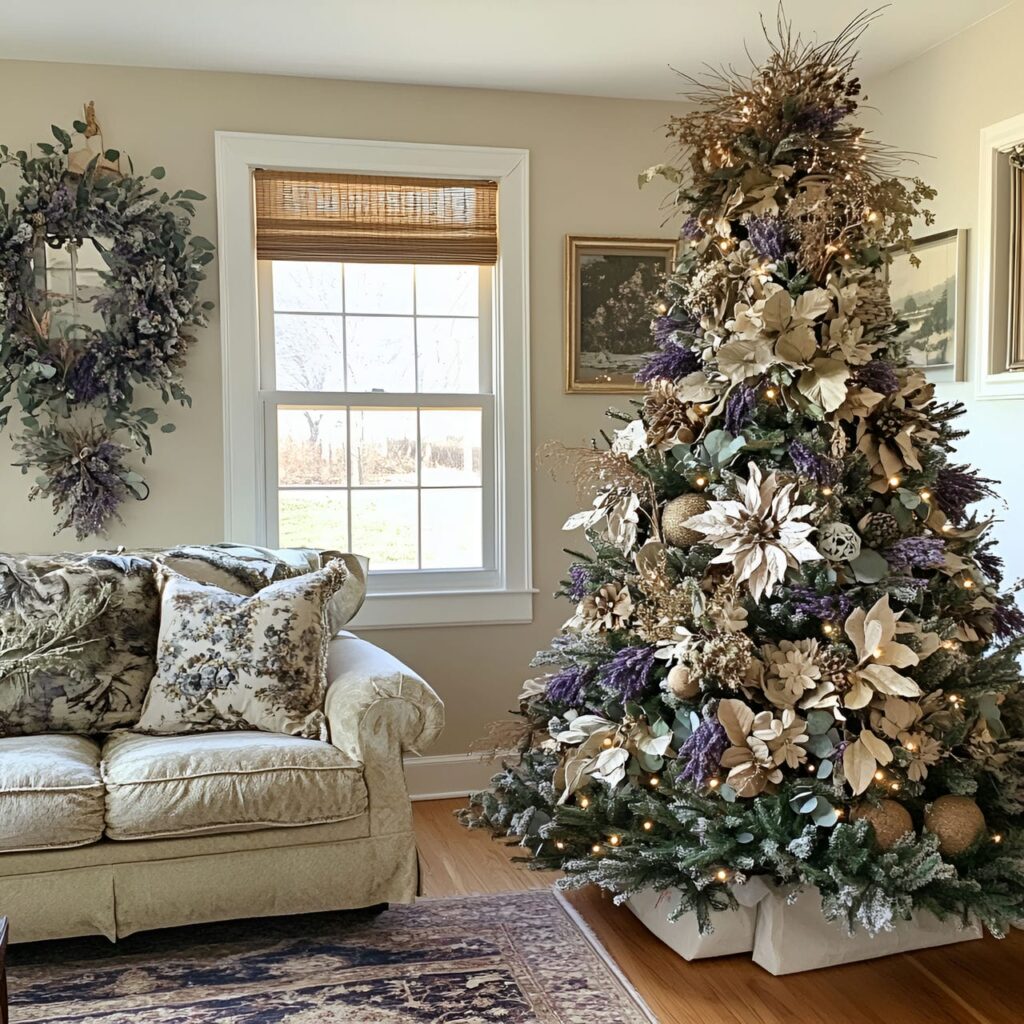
682 682
957 821
890 820
675 513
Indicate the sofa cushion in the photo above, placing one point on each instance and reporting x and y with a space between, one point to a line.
230 662
225 782
77 641
51 793
242 569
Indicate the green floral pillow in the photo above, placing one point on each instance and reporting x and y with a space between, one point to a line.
228 661
77 641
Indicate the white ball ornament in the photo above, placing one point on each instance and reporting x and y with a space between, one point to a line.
838 542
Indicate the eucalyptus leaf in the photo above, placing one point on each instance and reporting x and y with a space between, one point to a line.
869 566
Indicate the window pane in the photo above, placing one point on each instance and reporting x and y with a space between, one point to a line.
313 519
448 353
452 529
307 287
447 291
384 528
378 288
450 446
309 352
311 446
384 447
381 353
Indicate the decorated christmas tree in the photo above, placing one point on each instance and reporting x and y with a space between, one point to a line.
790 654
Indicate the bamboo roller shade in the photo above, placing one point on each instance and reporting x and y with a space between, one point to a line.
302 215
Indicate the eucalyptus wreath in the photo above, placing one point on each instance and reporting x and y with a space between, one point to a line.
76 383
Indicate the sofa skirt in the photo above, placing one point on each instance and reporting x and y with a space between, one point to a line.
121 898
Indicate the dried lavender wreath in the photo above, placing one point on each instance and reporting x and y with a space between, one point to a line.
76 383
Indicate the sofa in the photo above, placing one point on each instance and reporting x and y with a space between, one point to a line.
114 833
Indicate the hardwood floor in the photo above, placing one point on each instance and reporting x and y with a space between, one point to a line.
971 983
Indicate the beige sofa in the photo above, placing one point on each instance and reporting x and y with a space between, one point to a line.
127 832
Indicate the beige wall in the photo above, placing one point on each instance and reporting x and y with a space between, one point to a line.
937 105
584 157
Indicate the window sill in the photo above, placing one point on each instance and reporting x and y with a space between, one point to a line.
452 608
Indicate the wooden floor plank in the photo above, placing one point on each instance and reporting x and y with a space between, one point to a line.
970 983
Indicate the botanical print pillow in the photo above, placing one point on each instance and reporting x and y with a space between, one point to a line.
226 661
77 641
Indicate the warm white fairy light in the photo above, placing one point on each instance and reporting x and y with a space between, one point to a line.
713 783
648 825
584 802
827 491
655 781
614 840
894 481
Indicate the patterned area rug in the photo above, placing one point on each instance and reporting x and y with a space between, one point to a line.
513 958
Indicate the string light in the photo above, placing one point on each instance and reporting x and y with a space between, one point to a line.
926 495
954 699
827 491
655 781
909 746
614 840
894 481
713 783
595 849
950 645
559 844
648 825
968 583
584 802
722 875
662 308
701 481
894 787
811 767
997 838
828 628
879 776
770 394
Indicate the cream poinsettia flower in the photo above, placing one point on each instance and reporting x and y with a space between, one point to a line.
761 535
878 656
791 671
744 357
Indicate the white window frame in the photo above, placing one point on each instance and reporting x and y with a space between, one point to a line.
502 592
993 379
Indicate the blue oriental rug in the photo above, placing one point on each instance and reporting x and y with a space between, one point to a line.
512 958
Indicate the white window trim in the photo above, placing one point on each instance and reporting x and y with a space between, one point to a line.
990 288
237 155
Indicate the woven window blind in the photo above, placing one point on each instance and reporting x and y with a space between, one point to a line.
304 215
1015 348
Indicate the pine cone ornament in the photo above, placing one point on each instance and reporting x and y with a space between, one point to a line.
675 513
887 424
664 414
957 821
879 529
833 661
873 307
890 820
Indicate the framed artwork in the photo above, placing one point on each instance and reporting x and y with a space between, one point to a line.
611 287
931 298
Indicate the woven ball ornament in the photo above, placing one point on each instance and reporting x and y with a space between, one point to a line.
957 821
890 820
675 513
838 542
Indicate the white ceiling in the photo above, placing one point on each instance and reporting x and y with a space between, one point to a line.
591 47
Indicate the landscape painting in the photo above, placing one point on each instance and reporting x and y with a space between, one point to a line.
612 289
930 297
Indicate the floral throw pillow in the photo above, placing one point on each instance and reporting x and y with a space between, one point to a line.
228 661
77 640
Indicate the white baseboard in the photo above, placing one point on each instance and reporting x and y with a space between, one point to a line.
441 776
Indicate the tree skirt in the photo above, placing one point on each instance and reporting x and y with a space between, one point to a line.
513 958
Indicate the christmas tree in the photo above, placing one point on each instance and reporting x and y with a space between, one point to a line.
790 655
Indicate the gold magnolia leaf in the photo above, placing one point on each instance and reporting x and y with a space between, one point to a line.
737 720
825 383
859 766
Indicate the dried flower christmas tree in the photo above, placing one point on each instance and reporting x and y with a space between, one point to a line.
790 654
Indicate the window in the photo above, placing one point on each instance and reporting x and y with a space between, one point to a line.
375 366
999 303
378 404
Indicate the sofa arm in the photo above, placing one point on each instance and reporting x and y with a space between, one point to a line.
377 710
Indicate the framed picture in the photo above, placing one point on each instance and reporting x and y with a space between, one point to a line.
611 287
931 298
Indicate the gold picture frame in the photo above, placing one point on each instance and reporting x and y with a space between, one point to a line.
608 309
